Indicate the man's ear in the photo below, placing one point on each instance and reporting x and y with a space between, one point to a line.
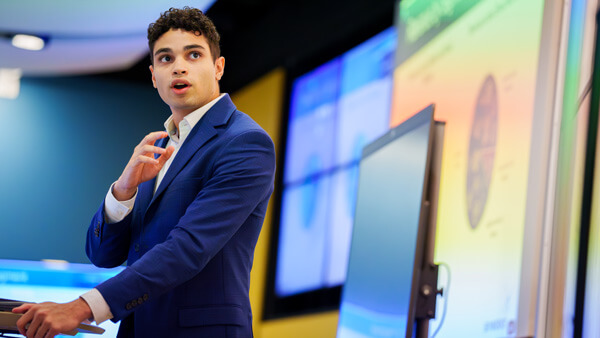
153 77
219 67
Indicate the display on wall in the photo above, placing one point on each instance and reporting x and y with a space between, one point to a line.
591 325
335 110
478 62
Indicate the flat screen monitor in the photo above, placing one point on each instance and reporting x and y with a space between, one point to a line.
388 237
61 282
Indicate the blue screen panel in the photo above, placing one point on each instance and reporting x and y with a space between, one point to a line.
312 123
385 247
39 281
303 239
341 216
335 110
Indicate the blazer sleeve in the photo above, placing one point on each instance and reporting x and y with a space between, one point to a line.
107 244
242 177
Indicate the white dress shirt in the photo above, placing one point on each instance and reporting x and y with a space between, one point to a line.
115 211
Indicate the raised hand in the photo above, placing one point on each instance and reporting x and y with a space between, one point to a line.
142 166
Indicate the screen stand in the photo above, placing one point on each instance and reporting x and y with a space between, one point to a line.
426 300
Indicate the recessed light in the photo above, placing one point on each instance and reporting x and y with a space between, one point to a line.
10 82
29 42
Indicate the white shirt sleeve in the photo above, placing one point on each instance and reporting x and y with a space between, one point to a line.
99 307
115 211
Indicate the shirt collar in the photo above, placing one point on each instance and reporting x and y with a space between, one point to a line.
188 122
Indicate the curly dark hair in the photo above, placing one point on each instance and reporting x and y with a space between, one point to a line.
189 19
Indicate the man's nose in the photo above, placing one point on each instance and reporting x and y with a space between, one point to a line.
179 68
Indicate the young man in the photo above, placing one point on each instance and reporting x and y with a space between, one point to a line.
187 210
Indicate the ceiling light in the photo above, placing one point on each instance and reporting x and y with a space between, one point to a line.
10 83
29 42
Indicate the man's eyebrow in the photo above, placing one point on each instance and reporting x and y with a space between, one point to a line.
162 50
188 47
169 50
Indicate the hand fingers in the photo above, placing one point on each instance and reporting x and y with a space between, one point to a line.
150 139
52 333
150 149
43 330
162 159
153 136
34 325
25 319
146 160
22 308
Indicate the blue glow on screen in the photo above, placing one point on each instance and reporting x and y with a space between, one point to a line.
39 281
335 110
377 293
306 219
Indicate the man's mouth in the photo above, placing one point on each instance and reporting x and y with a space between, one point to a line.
180 87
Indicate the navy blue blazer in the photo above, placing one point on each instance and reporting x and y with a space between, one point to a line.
189 247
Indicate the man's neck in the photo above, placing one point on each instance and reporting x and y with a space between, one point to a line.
180 114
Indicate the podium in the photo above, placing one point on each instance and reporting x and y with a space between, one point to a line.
8 320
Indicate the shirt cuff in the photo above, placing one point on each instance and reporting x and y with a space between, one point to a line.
115 211
99 307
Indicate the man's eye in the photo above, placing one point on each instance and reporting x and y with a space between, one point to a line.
195 55
164 58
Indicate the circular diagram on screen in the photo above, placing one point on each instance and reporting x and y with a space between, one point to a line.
482 150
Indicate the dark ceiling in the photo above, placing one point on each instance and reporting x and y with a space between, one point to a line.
258 36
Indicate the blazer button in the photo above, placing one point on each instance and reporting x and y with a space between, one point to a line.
145 297
140 300
137 247
128 306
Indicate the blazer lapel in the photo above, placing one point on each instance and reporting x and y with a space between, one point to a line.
202 132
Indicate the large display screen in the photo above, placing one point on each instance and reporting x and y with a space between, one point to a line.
39 281
477 60
591 310
335 110
379 295
591 325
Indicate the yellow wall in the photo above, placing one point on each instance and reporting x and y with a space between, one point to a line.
313 326
263 101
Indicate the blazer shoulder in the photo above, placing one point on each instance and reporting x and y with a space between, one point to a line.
241 122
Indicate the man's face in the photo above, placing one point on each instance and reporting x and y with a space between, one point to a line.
184 72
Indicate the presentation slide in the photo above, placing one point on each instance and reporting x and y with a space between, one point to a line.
38 281
477 61
336 109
